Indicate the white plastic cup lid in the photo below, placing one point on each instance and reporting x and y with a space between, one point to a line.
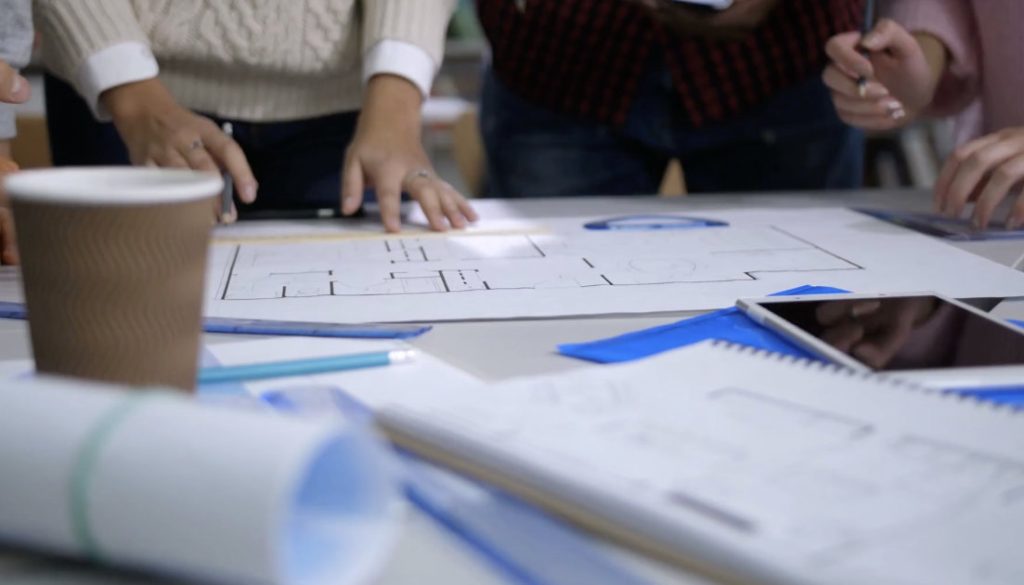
112 185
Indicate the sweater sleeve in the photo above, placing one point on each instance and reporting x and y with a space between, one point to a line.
74 31
952 22
422 23
15 49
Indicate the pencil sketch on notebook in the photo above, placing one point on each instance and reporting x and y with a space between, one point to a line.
838 477
573 271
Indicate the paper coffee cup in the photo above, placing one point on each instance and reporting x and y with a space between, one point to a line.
113 261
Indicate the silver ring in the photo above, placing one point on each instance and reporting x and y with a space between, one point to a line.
417 174
196 145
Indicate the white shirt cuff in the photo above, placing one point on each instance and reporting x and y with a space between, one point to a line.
402 59
113 66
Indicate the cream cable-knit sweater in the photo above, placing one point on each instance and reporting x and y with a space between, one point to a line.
257 60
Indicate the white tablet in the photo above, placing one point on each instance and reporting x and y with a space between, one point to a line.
922 337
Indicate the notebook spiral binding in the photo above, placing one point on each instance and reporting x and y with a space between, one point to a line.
1001 409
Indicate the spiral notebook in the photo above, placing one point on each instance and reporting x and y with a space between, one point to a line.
749 467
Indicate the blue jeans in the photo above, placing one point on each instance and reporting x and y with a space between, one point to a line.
297 163
793 142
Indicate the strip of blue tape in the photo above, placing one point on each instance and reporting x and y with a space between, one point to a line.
733 326
727 324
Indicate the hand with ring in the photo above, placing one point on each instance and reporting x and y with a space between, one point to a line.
159 132
387 154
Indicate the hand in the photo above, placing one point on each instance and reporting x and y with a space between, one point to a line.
985 171
386 154
737 21
14 89
8 242
159 132
874 331
902 70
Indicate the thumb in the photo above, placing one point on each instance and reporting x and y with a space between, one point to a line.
14 89
890 36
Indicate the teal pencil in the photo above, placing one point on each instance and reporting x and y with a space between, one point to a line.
303 367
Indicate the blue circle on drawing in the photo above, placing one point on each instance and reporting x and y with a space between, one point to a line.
653 222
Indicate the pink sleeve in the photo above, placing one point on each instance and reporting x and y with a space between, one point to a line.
952 22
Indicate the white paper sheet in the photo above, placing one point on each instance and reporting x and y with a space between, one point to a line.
373 387
215 494
783 473
575 271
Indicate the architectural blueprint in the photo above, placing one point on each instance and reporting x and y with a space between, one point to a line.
569 270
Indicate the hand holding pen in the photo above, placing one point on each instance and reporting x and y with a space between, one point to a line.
882 76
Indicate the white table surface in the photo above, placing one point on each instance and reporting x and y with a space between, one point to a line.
496 350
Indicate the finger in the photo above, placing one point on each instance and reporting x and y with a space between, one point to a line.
879 350
229 156
14 89
351 186
1016 217
952 166
1003 179
973 172
857 106
844 336
832 313
428 197
389 198
199 159
464 206
8 240
842 50
230 217
873 123
449 205
891 37
845 85
169 158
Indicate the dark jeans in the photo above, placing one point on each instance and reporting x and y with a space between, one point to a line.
793 142
297 164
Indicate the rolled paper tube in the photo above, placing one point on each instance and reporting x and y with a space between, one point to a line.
157 482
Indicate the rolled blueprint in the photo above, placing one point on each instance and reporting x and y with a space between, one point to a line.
158 482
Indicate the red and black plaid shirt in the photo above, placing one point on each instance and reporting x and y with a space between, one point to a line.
586 57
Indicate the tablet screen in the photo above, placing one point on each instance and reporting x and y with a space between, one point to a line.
906 333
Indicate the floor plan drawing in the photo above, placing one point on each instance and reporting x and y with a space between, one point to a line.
558 267
425 265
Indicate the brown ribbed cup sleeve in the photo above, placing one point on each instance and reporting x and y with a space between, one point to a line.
115 293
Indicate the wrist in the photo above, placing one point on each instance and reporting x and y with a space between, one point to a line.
129 100
394 102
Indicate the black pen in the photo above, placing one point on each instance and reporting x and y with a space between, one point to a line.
866 25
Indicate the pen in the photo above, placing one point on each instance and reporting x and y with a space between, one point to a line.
228 194
303 367
865 28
